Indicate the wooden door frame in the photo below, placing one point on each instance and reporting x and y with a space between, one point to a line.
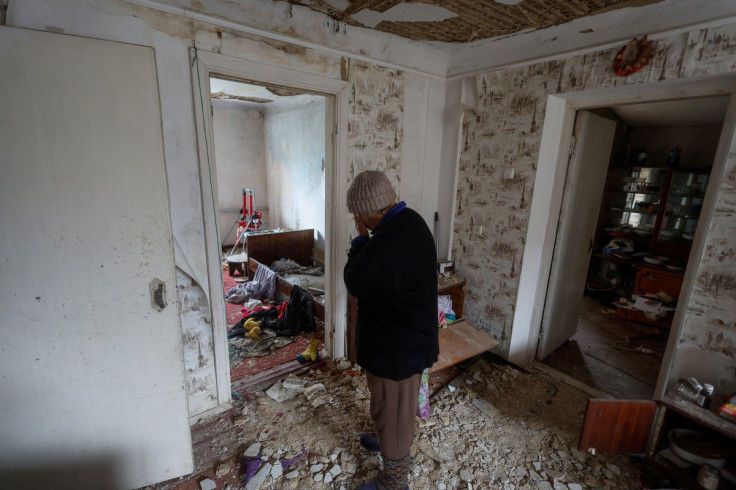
335 91
547 200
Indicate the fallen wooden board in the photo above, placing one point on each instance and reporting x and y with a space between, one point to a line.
460 341
617 426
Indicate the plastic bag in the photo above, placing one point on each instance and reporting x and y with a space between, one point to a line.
423 402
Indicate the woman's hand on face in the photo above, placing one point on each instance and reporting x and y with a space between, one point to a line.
360 226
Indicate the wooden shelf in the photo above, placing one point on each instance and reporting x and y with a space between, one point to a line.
706 418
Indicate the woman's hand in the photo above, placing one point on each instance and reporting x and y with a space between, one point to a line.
360 226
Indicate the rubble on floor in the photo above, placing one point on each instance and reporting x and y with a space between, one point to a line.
492 426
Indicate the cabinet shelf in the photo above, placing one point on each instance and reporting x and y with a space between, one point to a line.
675 207
670 214
693 196
630 210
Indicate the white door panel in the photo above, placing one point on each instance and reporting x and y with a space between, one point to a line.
92 378
581 205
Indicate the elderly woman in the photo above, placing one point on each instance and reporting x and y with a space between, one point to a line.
391 270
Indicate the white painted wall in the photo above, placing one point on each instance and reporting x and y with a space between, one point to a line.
294 138
240 160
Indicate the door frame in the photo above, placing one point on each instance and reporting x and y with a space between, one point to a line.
203 65
548 192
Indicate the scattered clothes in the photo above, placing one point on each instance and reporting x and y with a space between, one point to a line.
254 333
242 347
252 304
299 315
309 355
282 308
441 320
285 266
269 318
262 285
248 312
445 313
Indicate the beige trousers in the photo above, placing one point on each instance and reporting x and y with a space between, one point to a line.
393 410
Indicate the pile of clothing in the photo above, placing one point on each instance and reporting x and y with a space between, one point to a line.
265 327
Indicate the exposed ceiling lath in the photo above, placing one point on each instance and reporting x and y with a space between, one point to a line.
464 20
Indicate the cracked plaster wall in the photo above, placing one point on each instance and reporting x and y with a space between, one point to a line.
505 131
197 342
375 132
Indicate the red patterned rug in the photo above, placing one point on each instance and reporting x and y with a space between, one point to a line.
254 365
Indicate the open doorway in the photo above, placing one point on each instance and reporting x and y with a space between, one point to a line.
609 327
270 149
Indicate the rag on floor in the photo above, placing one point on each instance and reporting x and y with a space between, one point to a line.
299 314
263 285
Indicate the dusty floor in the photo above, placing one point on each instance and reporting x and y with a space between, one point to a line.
618 357
493 426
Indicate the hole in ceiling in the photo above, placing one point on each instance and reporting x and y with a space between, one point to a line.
404 12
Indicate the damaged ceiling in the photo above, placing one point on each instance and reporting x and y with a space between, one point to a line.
462 21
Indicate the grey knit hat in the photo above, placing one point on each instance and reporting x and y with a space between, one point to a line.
370 191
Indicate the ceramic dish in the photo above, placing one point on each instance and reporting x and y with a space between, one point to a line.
674 267
697 448
655 260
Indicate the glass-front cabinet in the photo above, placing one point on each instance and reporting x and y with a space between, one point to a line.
682 206
657 209
642 199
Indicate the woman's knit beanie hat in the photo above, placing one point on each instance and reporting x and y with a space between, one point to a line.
370 191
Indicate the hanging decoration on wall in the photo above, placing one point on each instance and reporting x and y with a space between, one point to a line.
632 57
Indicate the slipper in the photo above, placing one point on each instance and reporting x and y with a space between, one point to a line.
370 442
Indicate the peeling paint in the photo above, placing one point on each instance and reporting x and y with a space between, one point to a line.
197 345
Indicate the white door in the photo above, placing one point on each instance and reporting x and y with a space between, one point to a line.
91 375
584 185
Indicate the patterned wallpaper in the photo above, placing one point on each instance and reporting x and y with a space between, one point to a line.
504 135
375 126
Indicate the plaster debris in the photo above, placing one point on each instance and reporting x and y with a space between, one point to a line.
502 431
252 451
207 484
256 482
222 470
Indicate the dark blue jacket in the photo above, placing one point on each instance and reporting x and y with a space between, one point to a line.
394 277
